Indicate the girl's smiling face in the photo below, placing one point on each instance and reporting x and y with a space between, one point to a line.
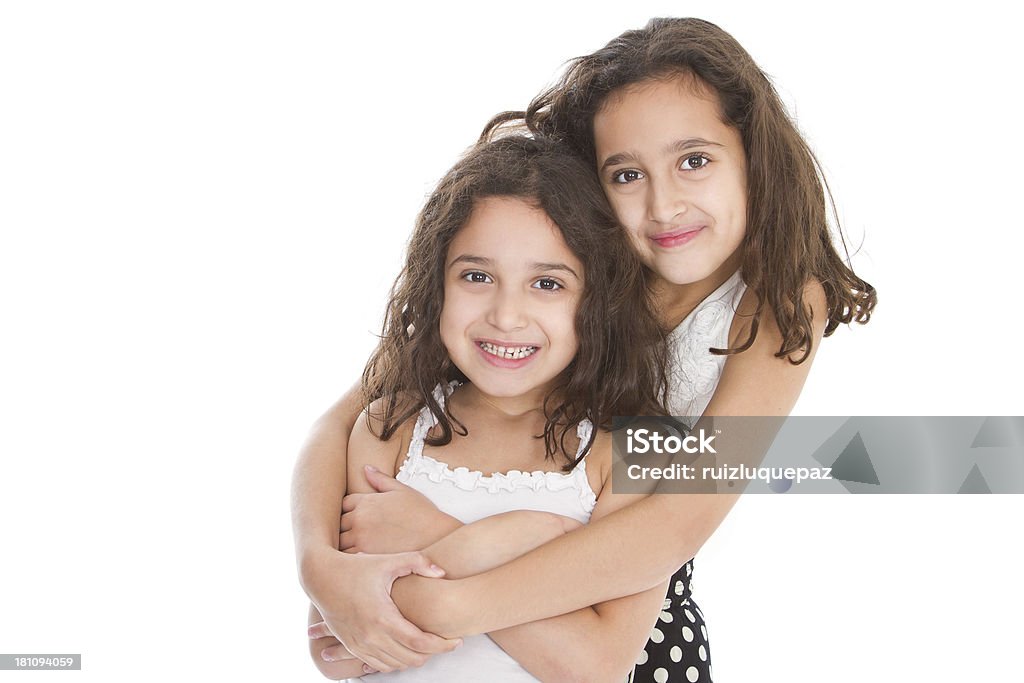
511 290
676 176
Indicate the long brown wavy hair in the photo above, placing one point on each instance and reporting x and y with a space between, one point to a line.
619 368
788 241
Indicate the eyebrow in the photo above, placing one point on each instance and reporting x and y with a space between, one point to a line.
469 258
536 265
555 266
674 148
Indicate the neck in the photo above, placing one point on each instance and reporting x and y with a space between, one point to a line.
513 407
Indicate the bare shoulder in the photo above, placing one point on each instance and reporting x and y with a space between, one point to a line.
813 297
756 381
599 459
366 447
599 465
373 417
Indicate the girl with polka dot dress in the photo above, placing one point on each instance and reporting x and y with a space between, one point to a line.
725 204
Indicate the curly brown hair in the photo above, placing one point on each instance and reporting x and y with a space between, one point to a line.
788 241
619 368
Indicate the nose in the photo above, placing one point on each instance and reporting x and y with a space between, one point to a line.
507 312
665 200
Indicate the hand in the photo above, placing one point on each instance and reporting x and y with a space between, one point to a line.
396 519
333 653
332 658
357 608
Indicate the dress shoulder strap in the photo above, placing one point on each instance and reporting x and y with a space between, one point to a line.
583 431
426 421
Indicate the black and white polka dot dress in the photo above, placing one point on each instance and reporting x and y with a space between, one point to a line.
678 649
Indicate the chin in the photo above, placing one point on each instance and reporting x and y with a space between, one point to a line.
505 389
680 275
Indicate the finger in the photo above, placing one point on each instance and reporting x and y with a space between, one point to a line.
391 654
347 541
400 657
339 653
415 563
319 630
428 643
380 481
400 643
336 653
383 661
349 502
347 522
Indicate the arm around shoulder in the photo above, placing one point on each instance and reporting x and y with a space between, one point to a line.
355 603
318 485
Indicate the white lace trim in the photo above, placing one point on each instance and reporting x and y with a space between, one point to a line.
693 372
468 480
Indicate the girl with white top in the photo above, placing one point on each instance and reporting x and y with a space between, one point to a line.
519 300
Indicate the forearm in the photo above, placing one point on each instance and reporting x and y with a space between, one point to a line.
594 644
623 553
493 541
558 649
546 582
591 644
474 548
318 485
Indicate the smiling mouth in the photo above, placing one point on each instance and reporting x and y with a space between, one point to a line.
507 352
675 238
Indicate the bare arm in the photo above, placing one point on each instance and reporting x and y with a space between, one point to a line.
394 519
470 549
493 541
352 591
592 644
754 382
318 484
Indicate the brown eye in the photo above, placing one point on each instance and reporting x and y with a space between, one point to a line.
548 284
627 176
695 162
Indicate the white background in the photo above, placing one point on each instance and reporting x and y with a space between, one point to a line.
203 203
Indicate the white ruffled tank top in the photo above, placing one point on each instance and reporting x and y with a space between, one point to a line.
470 496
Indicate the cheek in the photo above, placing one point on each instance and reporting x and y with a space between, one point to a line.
568 331
449 321
628 210
740 199
740 212
460 316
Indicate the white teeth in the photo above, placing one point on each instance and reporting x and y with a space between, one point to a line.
509 352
